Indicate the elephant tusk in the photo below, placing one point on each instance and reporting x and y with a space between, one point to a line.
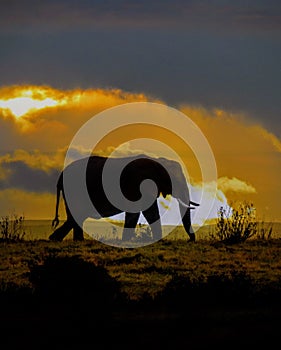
193 203
184 205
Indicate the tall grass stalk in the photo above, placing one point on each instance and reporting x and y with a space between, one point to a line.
12 228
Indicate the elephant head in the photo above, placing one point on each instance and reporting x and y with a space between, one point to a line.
176 185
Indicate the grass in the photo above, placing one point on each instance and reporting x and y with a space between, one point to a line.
226 286
221 294
147 270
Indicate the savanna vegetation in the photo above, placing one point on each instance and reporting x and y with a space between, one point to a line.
222 290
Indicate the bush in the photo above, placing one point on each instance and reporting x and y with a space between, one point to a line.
70 279
12 228
236 224
144 234
233 288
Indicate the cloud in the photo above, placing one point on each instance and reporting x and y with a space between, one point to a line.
37 171
126 149
248 157
269 137
259 15
246 151
51 128
19 175
32 102
235 185
31 171
35 159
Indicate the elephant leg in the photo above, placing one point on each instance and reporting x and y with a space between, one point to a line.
62 231
78 233
186 220
153 218
131 220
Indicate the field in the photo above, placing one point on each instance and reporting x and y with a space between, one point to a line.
169 293
100 230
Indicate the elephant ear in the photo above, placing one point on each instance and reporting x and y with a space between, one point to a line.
173 174
178 178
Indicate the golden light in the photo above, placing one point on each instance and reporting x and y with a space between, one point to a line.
29 100
20 106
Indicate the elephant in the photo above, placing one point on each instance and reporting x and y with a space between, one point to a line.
167 178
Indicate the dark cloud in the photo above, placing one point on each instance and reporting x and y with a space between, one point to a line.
219 54
20 176
233 72
51 15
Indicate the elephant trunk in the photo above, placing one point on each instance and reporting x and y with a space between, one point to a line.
185 206
186 219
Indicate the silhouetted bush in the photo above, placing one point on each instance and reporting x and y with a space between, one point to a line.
217 289
73 281
12 228
12 294
144 234
236 224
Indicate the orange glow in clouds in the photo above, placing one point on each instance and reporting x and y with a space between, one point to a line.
30 100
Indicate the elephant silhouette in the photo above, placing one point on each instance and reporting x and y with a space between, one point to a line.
165 178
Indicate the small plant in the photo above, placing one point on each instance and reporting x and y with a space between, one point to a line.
236 224
12 228
265 230
145 233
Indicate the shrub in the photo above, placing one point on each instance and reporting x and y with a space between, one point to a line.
218 288
12 228
144 234
70 279
236 224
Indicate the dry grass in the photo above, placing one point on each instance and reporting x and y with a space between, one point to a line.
223 295
147 270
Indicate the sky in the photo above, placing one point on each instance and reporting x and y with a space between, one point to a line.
65 61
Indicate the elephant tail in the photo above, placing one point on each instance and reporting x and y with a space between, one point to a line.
56 220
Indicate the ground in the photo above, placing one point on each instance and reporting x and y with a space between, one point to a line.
167 293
